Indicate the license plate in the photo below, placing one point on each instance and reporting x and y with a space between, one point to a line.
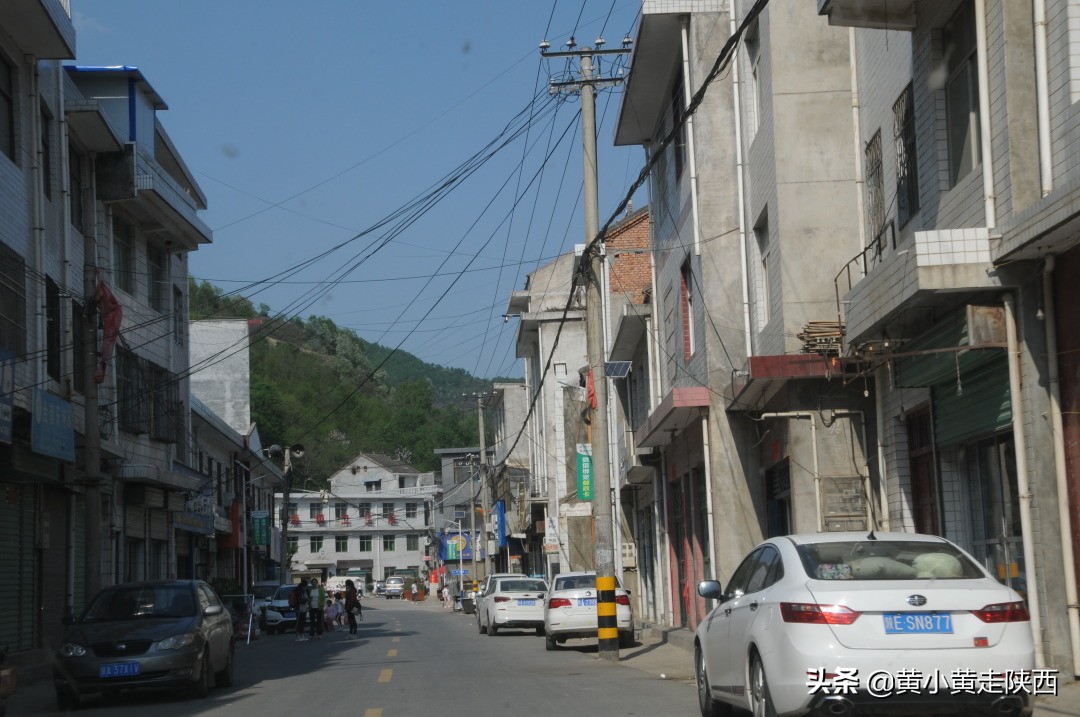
119 669
289 615
526 603
909 623
587 602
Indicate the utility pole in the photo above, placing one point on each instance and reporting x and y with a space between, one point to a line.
92 418
289 452
482 472
472 523
607 623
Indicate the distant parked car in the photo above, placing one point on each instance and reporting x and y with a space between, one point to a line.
570 610
871 604
174 633
512 603
395 587
279 616
380 587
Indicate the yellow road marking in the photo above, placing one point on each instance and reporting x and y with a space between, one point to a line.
392 653
373 712
385 675
396 639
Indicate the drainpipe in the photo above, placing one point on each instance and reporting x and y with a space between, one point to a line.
1042 94
658 554
879 416
1065 522
1023 488
65 183
688 94
41 374
855 112
740 188
709 496
984 114
669 606
614 458
813 441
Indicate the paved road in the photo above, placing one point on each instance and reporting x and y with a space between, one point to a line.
410 660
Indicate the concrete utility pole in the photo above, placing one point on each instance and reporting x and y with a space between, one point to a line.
607 624
92 419
289 452
472 523
482 472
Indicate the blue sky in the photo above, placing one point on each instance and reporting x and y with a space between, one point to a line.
306 123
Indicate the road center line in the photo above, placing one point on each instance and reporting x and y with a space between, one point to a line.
396 639
373 712
386 675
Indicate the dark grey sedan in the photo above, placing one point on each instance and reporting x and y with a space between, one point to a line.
174 633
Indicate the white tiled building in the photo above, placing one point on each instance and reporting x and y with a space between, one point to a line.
374 521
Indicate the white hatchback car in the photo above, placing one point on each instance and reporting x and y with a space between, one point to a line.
853 623
512 603
570 610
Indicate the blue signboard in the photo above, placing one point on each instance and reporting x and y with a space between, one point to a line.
500 518
453 546
7 394
52 426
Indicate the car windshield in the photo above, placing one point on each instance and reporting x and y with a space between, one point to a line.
282 594
522 586
263 592
886 560
138 602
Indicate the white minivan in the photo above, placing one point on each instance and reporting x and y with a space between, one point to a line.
395 587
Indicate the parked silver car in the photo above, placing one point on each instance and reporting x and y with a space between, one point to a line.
174 633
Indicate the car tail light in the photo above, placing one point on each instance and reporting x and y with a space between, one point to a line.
558 602
622 600
1003 612
813 613
501 598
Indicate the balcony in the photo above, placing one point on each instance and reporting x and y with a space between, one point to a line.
873 14
941 262
42 28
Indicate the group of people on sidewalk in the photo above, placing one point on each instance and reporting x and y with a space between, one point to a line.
316 610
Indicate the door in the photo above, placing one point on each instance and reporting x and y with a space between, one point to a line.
924 488
995 509
744 611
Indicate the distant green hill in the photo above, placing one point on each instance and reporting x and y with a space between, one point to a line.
319 384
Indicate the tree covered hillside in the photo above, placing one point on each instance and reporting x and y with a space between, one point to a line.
315 383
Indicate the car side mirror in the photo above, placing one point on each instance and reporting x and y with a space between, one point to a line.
710 589
213 610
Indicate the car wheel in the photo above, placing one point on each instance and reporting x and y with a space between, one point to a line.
708 706
225 677
67 701
201 688
480 626
549 643
760 700
493 629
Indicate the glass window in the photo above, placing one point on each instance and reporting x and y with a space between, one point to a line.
314 509
388 542
341 543
52 328
123 255
315 543
410 510
7 109
365 544
179 316
46 156
412 542
741 577
961 92
294 544
12 300
75 197
886 560
155 287
340 510
764 573
907 163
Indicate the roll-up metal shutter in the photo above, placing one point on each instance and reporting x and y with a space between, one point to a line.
982 406
159 526
176 501
135 521
155 497
183 543
18 534
78 525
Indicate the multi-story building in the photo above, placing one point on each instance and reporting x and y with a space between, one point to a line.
373 521
961 294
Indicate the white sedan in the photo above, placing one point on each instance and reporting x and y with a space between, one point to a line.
847 623
513 603
570 610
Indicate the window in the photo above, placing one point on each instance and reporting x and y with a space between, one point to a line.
764 290
388 542
315 543
314 510
678 146
752 42
340 510
75 198
410 510
961 92
12 299
7 109
294 544
123 255
365 544
132 408
78 348
686 290
52 328
364 509
412 542
387 509
155 284
46 156
179 316
341 543
875 187
907 163
166 408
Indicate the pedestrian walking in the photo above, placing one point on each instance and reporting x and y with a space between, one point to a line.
299 597
352 606
316 601
413 590
446 596
330 615
340 605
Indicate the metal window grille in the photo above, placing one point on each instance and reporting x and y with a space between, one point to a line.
12 301
907 166
875 186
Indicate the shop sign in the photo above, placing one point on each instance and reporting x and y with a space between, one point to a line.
52 427
584 471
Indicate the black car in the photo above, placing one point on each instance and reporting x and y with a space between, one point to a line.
174 633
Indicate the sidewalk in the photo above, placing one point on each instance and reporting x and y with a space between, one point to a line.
668 653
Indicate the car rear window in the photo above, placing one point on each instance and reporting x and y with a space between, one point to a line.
522 586
886 560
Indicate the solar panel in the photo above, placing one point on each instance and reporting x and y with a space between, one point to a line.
616 369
